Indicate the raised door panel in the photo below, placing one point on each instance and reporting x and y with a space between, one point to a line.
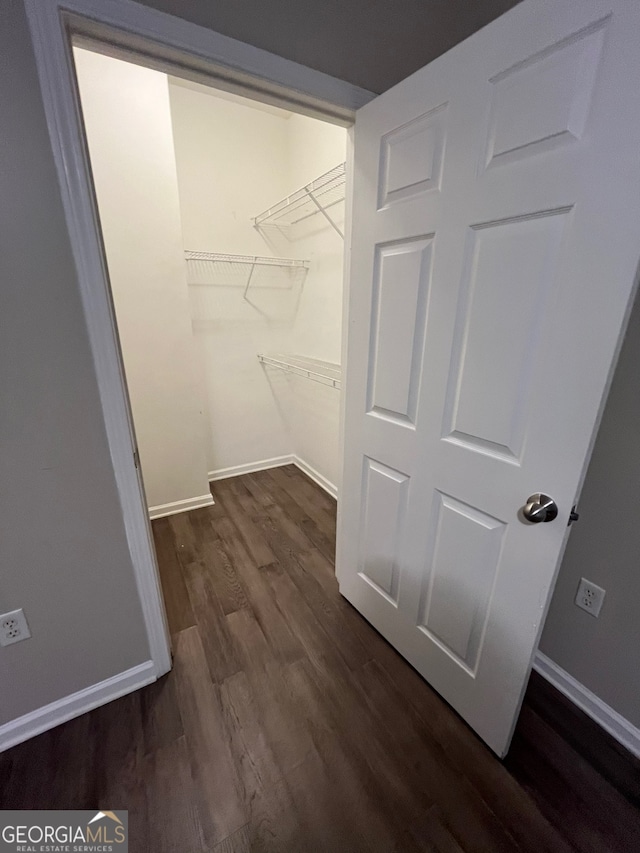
385 493
399 309
543 102
411 158
509 275
458 582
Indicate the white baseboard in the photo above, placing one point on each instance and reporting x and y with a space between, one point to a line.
250 467
36 722
275 462
198 502
316 476
611 721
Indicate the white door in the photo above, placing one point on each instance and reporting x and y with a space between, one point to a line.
495 242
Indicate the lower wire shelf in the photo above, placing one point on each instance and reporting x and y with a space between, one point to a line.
324 372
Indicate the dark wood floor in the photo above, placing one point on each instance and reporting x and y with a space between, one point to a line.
289 725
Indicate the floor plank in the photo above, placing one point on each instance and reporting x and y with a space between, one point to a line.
289 725
217 787
606 755
173 818
177 603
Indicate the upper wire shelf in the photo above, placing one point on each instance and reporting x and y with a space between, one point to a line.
317 197
249 261
324 372
253 260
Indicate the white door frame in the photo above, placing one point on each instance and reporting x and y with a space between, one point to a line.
184 49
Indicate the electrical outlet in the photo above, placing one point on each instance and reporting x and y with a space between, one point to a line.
589 597
13 628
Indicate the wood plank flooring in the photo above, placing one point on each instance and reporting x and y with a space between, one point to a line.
289 725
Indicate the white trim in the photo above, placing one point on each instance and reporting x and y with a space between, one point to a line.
236 66
200 54
250 467
67 141
319 478
611 721
341 524
36 722
275 462
185 505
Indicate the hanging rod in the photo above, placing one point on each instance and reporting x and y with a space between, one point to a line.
324 372
318 196
251 261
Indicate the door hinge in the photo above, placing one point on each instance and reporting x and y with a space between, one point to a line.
573 515
136 458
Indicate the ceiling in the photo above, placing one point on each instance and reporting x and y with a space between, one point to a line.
370 43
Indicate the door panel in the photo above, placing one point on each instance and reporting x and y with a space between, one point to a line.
385 501
495 243
499 331
411 159
556 85
401 283
459 578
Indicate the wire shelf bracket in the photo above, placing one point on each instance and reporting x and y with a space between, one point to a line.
318 196
324 372
250 261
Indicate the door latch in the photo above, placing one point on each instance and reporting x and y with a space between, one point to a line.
573 516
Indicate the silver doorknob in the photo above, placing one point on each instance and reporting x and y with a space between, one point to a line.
539 508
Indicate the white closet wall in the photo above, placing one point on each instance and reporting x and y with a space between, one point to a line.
128 124
235 159
230 158
313 149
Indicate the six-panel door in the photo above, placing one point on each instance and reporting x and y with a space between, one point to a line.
492 266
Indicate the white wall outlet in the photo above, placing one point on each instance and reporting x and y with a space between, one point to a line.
590 597
13 628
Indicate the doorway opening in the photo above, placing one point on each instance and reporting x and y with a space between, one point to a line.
223 222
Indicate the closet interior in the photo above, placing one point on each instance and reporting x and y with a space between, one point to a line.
223 227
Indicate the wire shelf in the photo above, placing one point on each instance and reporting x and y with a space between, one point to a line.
317 197
324 372
205 260
250 260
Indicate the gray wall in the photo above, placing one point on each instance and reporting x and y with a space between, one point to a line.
604 546
63 553
370 43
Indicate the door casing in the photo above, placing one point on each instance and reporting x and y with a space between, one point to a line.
174 46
